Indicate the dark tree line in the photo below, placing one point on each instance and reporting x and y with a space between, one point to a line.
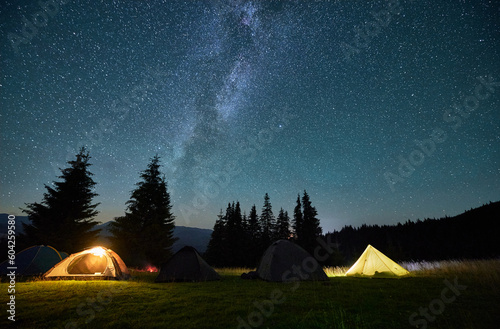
240 240
471 235
65 218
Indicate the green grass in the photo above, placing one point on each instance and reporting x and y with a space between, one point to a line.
341 302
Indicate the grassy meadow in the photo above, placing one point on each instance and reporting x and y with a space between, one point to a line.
340 302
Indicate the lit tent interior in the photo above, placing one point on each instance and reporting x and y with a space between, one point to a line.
92 263
373 263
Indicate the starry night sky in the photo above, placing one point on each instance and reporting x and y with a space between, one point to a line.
353 101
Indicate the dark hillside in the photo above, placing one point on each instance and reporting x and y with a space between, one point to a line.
471 235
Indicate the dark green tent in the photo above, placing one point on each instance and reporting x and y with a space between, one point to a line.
283 260
186 265
34 260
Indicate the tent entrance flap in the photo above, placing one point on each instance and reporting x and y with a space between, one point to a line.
88 264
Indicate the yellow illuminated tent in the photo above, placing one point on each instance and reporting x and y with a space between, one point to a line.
373 263
93 263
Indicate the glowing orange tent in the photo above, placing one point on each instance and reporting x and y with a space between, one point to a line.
92 263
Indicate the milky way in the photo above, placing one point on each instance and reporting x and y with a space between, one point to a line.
382 111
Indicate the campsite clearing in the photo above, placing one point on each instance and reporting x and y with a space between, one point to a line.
340 302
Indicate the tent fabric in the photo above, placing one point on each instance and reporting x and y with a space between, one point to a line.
87 264
286 261
35 260
92 263
186 265
373 263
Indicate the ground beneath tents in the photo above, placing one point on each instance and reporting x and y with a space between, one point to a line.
339 302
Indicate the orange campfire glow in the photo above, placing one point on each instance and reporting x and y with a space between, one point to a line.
151 268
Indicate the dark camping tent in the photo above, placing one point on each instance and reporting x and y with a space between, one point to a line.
186 265
286 261
34 260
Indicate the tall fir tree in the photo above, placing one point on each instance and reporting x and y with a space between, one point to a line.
254 225
65 217
216 252
254 248
297 221
244 222
311 228
230 234
145 234
282 226
267 223
236 237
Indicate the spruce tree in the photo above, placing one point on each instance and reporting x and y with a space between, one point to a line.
235 236
145 234
311 228
267 223
244 222
65 217
255 248
254 225
282 226
215 254
297 221
231 234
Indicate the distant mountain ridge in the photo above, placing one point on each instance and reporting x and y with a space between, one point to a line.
187 236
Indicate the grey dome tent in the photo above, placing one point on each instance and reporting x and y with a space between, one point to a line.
35 260
186 265
281 261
